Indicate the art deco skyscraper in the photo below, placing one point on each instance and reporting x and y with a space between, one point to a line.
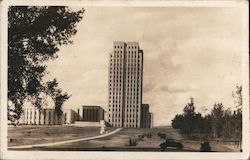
125 84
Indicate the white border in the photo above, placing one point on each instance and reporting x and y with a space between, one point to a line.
142 3
5 154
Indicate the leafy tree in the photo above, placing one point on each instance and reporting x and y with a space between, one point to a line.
189 122
34 36
219 124
189 109
189 116
52 89
177 122
237 95
207 125
217 119
227 129
198 123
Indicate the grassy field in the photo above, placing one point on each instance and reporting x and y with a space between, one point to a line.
35 135
26 135
121 140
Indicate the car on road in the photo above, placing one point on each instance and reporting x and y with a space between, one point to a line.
205 147
170 143
161 135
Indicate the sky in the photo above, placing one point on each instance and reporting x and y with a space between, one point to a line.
188 52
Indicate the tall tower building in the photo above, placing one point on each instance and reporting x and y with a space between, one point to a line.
125 85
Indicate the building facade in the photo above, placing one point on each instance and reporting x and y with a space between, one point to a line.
146 116
46 116
151 120
125 85
90 113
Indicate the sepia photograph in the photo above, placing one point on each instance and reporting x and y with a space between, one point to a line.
125 79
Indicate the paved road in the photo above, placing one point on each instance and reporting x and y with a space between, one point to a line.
64 142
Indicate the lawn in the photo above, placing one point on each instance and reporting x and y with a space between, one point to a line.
26 135
121 140
23 135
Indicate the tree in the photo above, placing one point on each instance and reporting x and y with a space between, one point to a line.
207 125
227 125
237 95
189 118
177 122
237 116
219 123
52 89
189 109
217 119
189 122
34 37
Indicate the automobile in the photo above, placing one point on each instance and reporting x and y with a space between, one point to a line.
162 135
170 143
205 147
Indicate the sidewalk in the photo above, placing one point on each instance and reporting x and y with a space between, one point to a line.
64 142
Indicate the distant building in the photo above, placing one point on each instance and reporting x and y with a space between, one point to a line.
125 107
146 116
46 116
125 85
90 113
151 120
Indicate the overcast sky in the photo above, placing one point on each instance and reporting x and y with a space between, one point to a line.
187 52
